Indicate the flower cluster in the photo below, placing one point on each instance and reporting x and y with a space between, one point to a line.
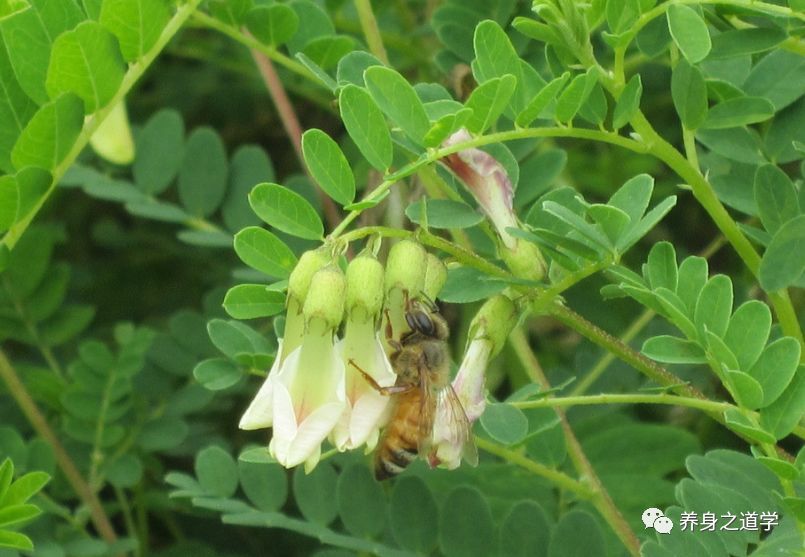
315 389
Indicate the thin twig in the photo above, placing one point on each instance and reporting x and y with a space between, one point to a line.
37 419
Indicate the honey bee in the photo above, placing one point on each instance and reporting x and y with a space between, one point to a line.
422 392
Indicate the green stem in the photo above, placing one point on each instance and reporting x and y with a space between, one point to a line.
272 53
600 498
371 30
37 420
636 398
134 73
559 478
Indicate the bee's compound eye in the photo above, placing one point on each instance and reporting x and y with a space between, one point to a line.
420 321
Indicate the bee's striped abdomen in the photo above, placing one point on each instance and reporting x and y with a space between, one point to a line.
399 445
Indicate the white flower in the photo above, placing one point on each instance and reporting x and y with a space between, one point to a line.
308 399
366 408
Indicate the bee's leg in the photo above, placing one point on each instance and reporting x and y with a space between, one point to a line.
390 340
387 391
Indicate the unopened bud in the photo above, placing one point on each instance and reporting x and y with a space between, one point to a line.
325 297
299 281
365 285
494 321
405 267
524 259
435 276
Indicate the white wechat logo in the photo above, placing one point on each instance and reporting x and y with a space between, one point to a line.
653 518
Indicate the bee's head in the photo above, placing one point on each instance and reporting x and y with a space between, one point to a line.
422 316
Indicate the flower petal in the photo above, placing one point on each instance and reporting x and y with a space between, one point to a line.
259 414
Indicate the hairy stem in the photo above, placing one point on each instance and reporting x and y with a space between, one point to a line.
37 420
600 497
636 398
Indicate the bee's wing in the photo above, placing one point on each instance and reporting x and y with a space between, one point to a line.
427 415
459 424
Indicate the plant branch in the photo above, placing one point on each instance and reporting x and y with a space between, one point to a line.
635 398
93 122
37 419
291 124
600 496
371 30
555 476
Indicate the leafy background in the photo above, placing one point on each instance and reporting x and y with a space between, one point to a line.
657 153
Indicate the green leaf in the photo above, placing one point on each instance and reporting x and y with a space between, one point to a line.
783 263
628 103
28 35
444 213
217 374
714 306
775 196
351 67
689 32
781 468
446 125
217 472
249 166
576 534
465 284
15 110
661 266
249 301
414 515
9 202
748 331
69 321
673 350
497 57
575 95
266 485
124 472
202 176
15 540
692 278
778 77
525 531
776 367
327 51
622 14
738 111
504 423
50 134
263 251
595 108
398 100
736 421
689 93
541 100
163 434
315 493
137 24
469 532
783 415
87 62
318 72
234 338
23 488
163 134
158 210
739 42
286 210
328 166
361 502
272 25
746 390
612 221
231 12
366 126
488 101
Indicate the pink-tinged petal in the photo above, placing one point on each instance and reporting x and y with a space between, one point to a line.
311 432
469 381
260 412
488 182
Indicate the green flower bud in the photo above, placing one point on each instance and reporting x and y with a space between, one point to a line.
524 260
405 267
325 297
365 286
494 321
299 281
435 276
